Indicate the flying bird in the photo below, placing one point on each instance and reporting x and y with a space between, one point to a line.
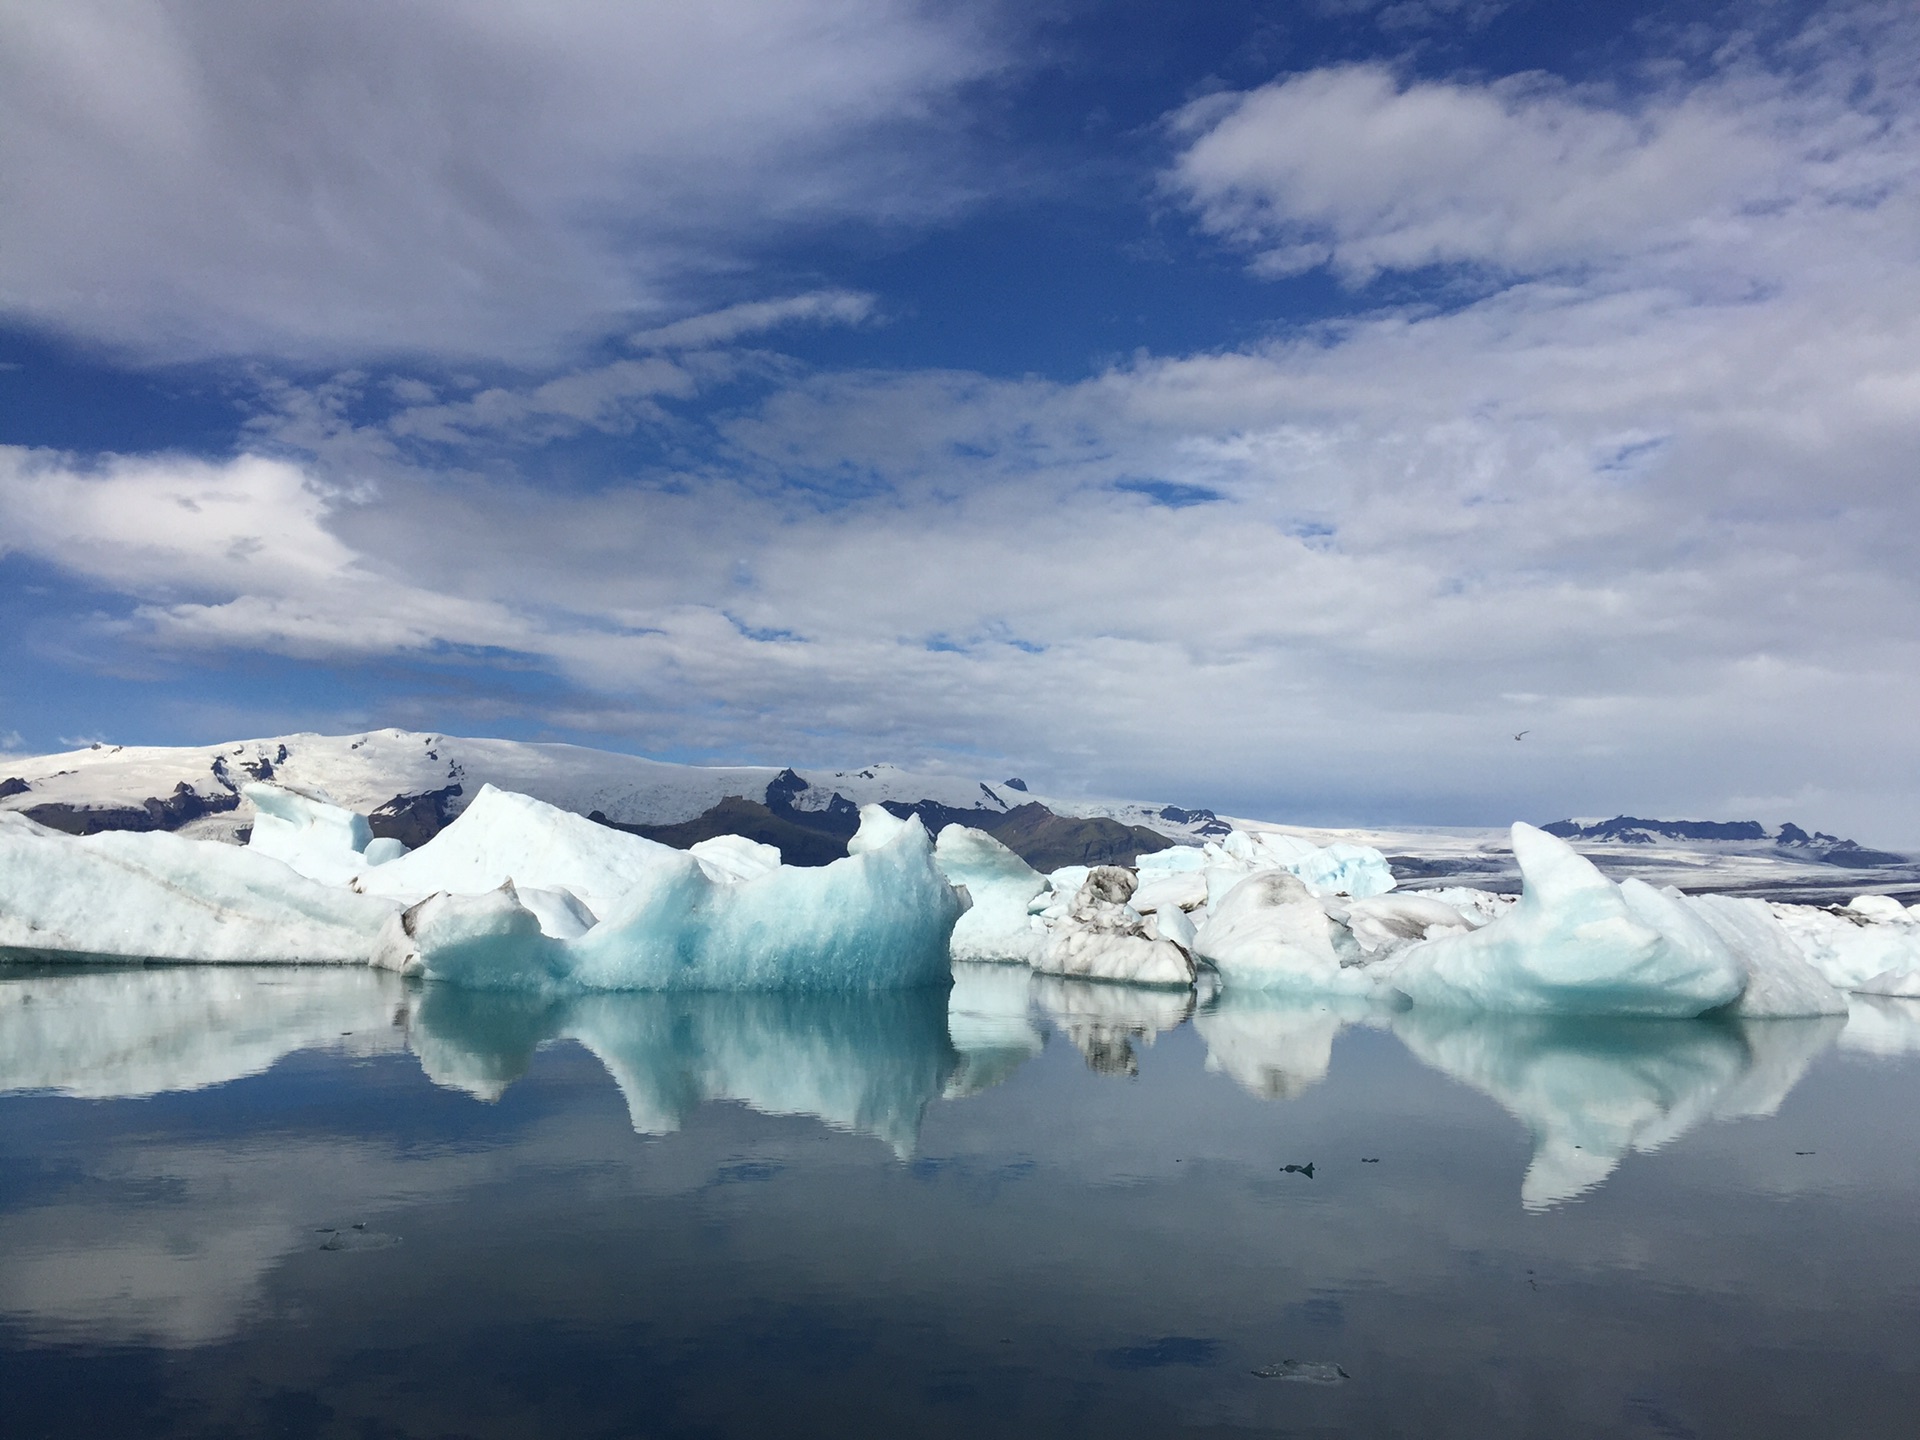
1523 734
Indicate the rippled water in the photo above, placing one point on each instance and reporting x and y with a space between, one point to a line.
324 1202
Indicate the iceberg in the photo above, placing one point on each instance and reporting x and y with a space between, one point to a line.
1102 937
1864 946
1002 887
501 836
880 919
1270 933
1576 944
153 896
1337 869
1780 981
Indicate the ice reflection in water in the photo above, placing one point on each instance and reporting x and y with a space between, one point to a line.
1590 1091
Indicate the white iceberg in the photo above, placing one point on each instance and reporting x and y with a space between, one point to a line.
1780 981
1866 945
1270 933
1102 937
1337 869
500 837
1576 944
151 895
1002 886
879 919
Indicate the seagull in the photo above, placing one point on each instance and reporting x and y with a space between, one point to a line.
1523 734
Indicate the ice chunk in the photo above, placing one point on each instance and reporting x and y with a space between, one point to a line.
1853 947
305 830
1102 937
1001 886
1170 890
879 827
157 896
1336 869
1103 1021
502 836
873 921
1576 944
383 848
734 857
1180 860
1273 1046
1780 982
1877 907
1382 924
1269 933
1173 924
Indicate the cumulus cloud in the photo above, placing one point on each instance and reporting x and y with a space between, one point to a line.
1353 168
492 179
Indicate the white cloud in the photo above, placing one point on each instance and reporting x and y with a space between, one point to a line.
817 307
451 177
1352 168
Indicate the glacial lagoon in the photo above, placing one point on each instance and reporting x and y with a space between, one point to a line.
334 1202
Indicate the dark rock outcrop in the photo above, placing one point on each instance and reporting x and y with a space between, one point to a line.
153 813
413 820
799 844
13 785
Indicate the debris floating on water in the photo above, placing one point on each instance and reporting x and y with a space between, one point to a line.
1305 1372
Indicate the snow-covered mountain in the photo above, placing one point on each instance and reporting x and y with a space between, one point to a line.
413 783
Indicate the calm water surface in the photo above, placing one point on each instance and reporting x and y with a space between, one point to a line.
328 1203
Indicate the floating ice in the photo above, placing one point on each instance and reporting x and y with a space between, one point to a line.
734 857
156 896
502 836
1576 944
1780 982
308 832
1269 933
1102 937
1336 869
880 919
1381 924
1001 886
1866 945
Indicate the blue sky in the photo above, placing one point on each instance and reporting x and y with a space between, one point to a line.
1273 406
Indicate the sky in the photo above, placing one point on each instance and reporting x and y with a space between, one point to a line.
1271 406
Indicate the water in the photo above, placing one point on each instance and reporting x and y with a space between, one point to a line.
328 1203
